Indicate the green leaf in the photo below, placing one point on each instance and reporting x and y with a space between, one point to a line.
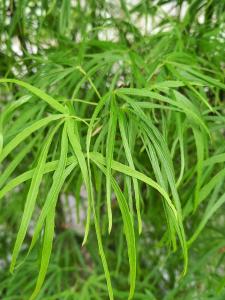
20 137
109 156
46 252
131 164
31 197
49 167
128 227
37 92
74 141
58 180
176 219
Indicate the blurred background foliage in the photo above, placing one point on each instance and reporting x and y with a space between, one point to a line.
117 44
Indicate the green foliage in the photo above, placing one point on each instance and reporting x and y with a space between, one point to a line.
112 150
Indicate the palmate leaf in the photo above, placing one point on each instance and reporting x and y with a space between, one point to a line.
74 141
46 251
7 112
109 156
31 197
139 88
20 137
161 180
58 180
133 173
131 164
49 167
48 212
16 161
182 102
48 239
174 215
128 226
101 249
39 93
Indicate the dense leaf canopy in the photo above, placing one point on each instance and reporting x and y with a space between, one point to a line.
112 149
